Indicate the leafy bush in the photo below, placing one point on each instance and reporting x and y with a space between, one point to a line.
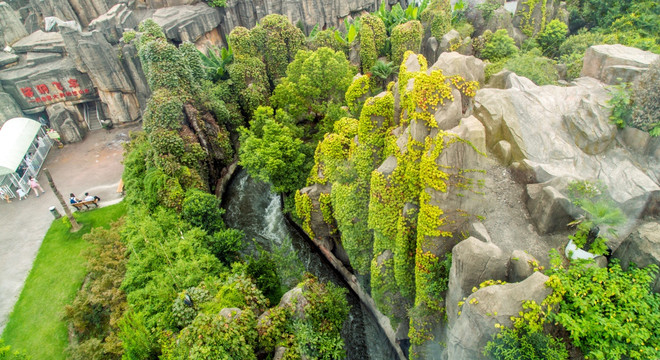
500 46
203 210
226 244
646 97
552 37
264 273
488 7
609 313
7 354
524 344
621 103
532 65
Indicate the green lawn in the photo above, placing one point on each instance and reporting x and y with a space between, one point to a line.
36 325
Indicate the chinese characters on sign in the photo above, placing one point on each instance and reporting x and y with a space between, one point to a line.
59 92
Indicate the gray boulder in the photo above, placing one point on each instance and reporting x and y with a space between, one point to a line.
40 41
506 79
230 313
563 132
113 23
7 59
469 67
529 20
548 208
11 27
642 247
450 39
65 122
472 263
9 109
613 64
187 22
495 304
90 51
323 233
521 266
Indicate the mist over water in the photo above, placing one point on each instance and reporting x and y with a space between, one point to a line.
251 207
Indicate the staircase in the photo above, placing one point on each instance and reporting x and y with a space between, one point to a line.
92 116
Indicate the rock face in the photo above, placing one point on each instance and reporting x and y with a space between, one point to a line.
90 51
9 109
642 247
530 20
113 23
472 263
187 22
65 123
609 63
325 13
11 27
488 306
40 41
564 132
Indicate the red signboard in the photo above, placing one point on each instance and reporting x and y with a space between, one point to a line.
59 92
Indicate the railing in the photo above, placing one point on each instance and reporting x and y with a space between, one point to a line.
34 160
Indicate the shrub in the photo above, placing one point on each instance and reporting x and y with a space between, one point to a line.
552 37
609 313
500 46
535 67
438 14
264 273
226 244
7 354
203 210
524 344
407 36
646 97
621 103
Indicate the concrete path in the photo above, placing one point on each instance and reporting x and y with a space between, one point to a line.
93 166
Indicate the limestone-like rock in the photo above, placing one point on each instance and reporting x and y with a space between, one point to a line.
549 208
478 231
476 133
65 123
324 13
9 109
642 247
279 353
591 129
60 9
90 51
532 121
448 115
7 59
469 67
431 48
503 151
323 234
11 27
609 63
450 39
113 23
295 299
491 305
88 10
635 139
230 313
529 20
40 42
187 22
473 262
521 266
131 62
506 79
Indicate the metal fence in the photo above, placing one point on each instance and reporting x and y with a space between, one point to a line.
30 166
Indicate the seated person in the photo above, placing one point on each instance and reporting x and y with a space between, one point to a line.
89 197
73 199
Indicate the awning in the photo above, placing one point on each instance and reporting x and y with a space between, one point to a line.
16 136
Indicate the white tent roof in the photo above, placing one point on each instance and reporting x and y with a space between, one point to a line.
16 136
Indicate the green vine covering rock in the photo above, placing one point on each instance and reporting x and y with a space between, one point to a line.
359 88
304 212
528 24
438 15
407 36
325 201
373 37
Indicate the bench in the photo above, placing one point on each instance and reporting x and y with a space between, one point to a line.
84 205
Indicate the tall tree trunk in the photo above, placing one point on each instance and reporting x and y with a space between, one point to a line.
74 224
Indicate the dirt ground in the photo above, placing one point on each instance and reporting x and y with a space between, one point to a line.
94 166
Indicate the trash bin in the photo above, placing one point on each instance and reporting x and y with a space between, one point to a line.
55 213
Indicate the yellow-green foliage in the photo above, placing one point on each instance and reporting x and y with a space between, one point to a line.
527 23
333 151
373 37
385 204
349 202
241 42
437 15
383 287
407 36
304 211
356 91
404 254
277 41
325 202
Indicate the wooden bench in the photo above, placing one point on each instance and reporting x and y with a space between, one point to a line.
84 205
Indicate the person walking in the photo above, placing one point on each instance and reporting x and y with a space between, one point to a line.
21 194
34 184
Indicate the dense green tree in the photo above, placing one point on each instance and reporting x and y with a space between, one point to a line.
314 80
500 46
277 156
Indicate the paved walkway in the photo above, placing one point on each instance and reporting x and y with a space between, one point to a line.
93 166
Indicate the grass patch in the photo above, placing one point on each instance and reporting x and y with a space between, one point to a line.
36 325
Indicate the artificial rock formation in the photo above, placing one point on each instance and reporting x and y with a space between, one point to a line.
642 247
113 23
613 64
187 22
11 27
491 305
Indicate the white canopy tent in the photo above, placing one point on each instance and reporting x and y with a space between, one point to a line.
16 136
21 153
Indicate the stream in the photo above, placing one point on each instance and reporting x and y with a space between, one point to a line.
251 207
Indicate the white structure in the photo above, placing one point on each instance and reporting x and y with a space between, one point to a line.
23 149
